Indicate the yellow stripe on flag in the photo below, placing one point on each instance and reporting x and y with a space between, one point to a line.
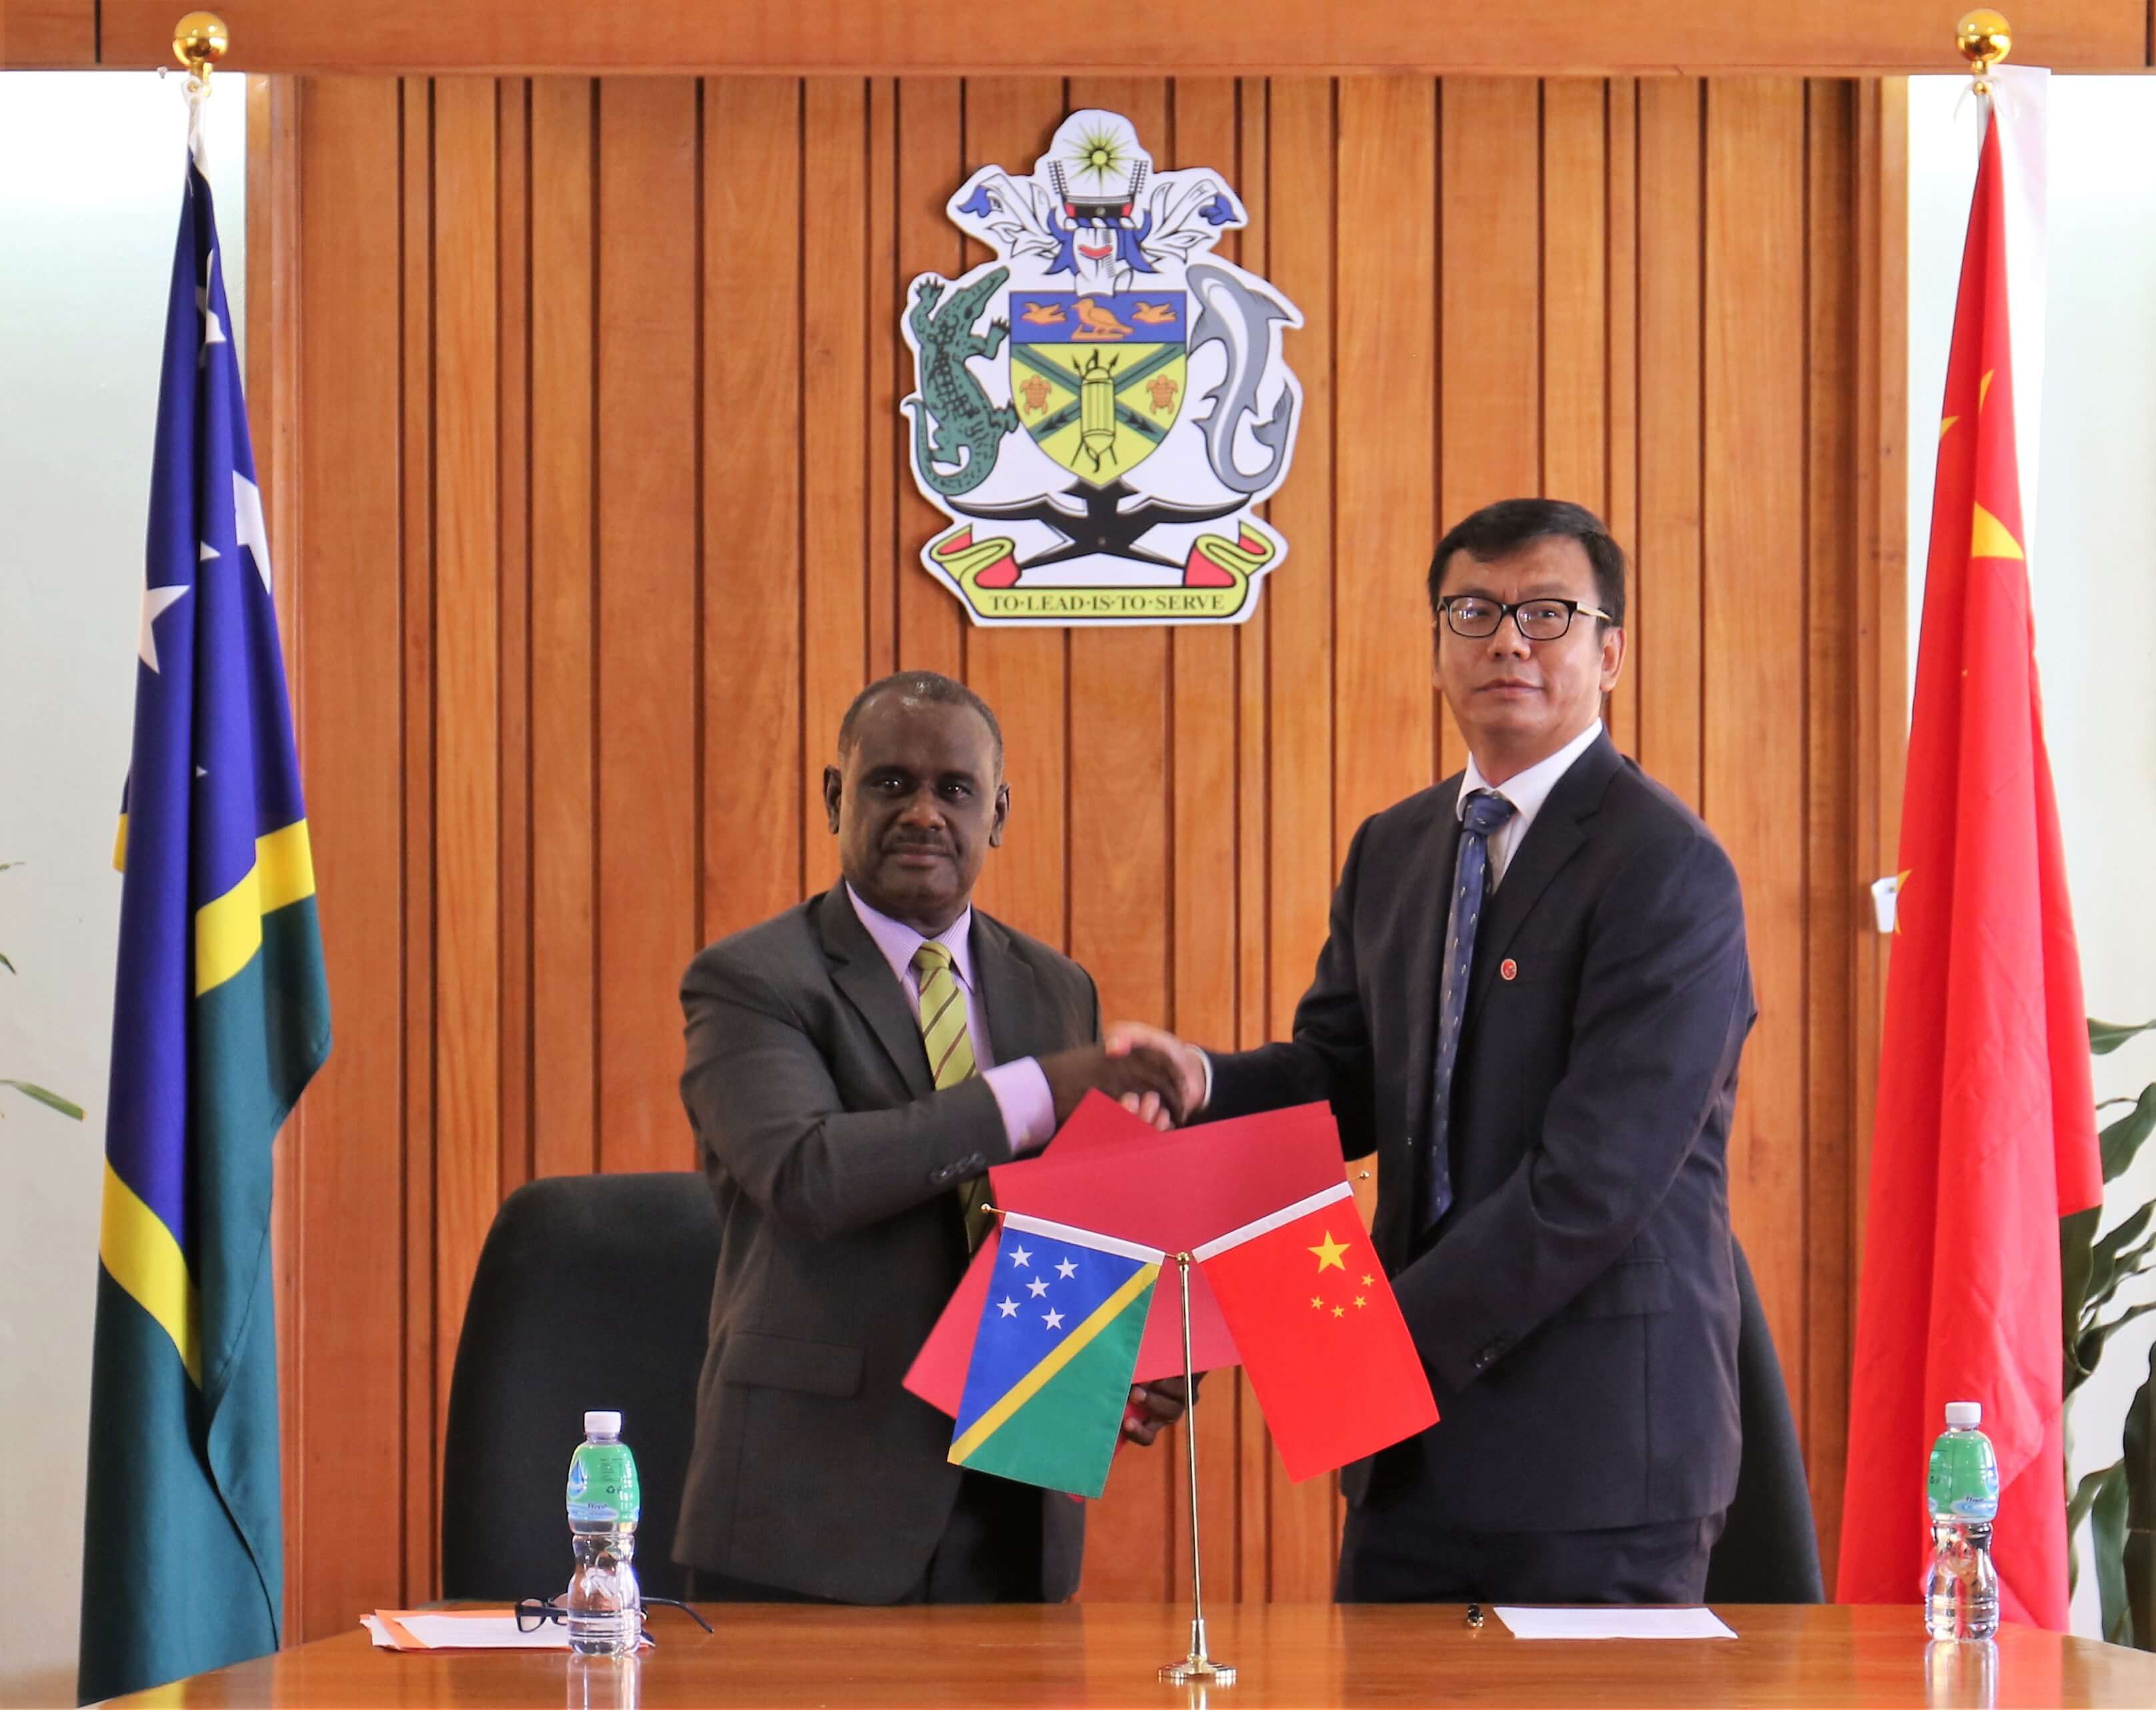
1989 538
144 1257
119 846
1031 1384
229 930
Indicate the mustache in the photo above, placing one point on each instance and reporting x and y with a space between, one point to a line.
932 845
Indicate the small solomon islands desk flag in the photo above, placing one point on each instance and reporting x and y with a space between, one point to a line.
1053 1358
1330 1357
221 1015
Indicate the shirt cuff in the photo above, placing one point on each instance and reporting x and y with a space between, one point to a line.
1205 1057
1029 1108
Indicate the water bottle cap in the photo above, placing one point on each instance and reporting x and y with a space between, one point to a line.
1964 1414
603 1425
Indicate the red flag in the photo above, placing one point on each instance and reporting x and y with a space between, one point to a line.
1985 1133
1335 1370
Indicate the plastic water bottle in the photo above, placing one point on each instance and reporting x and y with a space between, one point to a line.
1961 1586
605 1610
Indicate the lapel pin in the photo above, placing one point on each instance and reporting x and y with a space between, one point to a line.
1509 968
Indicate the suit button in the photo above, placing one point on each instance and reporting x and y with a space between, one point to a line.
937 1178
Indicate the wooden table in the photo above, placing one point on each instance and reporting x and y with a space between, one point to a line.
1300 1655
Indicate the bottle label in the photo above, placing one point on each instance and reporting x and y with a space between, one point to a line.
1964 1476
603 1484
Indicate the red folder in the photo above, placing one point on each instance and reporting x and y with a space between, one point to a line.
1108 1172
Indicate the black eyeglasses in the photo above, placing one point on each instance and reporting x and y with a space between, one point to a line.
1477 618
533 1613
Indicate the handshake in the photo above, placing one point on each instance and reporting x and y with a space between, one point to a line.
1149 1071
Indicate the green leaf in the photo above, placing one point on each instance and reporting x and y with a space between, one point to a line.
2123 1137
2103 1262
6 963
2077 1510
2076 1254
2137 1548
2107 1525
54 1099
2106 1037
2130 1265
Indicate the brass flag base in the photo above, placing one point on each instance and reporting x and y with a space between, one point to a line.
1197 1669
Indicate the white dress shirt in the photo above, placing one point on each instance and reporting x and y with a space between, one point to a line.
1526 791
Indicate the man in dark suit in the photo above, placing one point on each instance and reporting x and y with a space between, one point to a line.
1531 1006
855 1066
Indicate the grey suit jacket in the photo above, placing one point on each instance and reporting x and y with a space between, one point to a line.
1577 1305
835 1163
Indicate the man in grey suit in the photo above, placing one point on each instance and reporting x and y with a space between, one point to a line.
1531 1006
855 1066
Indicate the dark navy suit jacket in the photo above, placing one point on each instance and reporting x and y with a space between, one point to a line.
1576 1308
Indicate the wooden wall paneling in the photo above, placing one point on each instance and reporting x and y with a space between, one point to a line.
1490 314
268 338
1882 453
930 170
1831 921
883 555
346 1541
422 1275
1386 442
468 852
1203 881
513 479
563 616
1621 353
49 35
1666 588
1575 291
1023 674
1753 640
834 657
1842 37
758 784
648 517
1123 897
1290 1533
1251 1451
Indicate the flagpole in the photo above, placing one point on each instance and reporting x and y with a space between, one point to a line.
1197 1667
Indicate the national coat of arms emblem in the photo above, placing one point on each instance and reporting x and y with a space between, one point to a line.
1099 408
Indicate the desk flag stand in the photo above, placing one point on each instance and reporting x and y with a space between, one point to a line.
1198 1669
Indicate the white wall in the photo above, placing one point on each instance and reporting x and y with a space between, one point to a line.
2092 566
90 206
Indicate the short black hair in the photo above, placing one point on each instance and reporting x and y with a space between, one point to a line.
932 687
1509 524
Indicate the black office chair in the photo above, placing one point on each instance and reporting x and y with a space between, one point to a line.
592 1291
1768 1551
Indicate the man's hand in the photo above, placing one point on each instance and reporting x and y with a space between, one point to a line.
1153 1406
1146 1080
1190 1062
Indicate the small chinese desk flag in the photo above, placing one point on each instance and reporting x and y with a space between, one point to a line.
1054 1356
1334 1367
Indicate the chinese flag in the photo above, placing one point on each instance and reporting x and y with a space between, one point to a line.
1985 1134
1336 1373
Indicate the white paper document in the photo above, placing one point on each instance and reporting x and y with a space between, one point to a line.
1613 1623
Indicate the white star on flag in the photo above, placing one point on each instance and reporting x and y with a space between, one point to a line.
1039 1287
1021 1257
1066 1270
1009 1307
156 601
1053 1320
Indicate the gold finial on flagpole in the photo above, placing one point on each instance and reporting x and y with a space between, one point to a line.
1985 39
199 41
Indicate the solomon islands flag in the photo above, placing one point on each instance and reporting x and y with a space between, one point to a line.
1053 1359
220 1016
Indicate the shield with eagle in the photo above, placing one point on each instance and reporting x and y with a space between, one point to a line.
1098 379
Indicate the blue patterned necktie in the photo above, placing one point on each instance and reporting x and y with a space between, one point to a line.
1485 812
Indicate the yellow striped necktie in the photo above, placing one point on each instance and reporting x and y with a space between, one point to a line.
950 1047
